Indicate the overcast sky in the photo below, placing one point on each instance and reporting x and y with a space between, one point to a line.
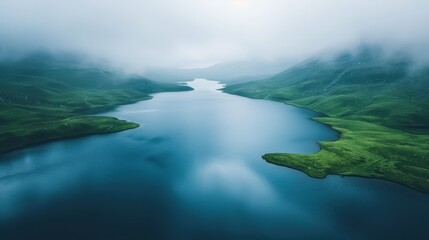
138 34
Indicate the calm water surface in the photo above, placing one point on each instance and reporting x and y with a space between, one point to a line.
192 170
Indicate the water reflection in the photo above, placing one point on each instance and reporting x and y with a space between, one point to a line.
235 179
204 85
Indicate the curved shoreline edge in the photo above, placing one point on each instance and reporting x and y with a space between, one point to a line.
81 123
81 127
363 149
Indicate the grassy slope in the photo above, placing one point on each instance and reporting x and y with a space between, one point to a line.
43 100
380 106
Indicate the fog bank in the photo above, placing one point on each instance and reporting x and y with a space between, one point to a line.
136 35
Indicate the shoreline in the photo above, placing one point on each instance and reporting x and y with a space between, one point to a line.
50 126
363 149
99 126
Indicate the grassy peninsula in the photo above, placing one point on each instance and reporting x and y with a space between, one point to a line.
44 98
379 105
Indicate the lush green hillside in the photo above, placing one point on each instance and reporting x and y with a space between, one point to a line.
380 105
44 98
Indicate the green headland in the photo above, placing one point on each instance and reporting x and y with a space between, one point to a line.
379 105
43 98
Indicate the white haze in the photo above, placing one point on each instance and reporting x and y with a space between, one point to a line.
139 34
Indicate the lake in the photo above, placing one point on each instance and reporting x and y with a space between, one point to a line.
193 170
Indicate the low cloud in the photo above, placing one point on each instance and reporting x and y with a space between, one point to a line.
137 35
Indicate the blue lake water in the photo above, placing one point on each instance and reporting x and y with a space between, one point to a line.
192 170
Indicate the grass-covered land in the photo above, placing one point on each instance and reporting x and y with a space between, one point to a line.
44 99
380 106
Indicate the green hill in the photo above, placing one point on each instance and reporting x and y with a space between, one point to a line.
43 98
380 105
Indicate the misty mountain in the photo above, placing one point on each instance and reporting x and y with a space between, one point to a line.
238 71
74 71
364 84
43 98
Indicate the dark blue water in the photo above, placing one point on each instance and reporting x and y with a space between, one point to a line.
193 171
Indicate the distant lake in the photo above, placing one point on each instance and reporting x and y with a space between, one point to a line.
193 170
